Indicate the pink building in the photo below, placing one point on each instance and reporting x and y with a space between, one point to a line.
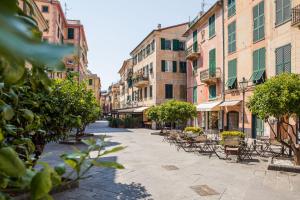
204 66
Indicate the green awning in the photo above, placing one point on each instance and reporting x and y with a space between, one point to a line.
231 81
257 75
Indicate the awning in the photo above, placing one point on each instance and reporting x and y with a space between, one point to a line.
230 103
140 110
210 106
124 111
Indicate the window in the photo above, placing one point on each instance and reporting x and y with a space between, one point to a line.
231 8
150 91
169 91
151 68
166 66
145 92
195 94
182 67
212 62
45 9
181 46
232 78
283 59
283 11
90 81
152 45
166 44
258 22
174 66
212 91
232 37
212 28
195 64
259 66
233 120
58 32
182 92
195 33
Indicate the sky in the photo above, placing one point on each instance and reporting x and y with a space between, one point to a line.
115 27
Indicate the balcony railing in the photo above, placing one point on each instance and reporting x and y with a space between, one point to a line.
140 80
193 51
210 75
296 16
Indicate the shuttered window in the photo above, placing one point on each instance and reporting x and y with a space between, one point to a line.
212 27
283 59
232 77
182 67
166 44
174 66
195 94
232 37
258 22
183 92
169 91
195 33
163 43
150 91
145 92
259 65
283 11
231 8
212 62
163 65
212 91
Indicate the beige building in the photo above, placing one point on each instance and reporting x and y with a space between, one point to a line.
94 84
158 71
126 89
262 39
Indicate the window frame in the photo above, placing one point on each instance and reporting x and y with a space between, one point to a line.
257 26
169 94
232 37
212 26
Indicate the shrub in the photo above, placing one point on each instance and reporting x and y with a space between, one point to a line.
232 134
195 130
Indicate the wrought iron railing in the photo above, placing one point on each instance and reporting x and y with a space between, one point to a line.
192 49
210 74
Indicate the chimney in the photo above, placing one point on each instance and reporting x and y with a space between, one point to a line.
159 26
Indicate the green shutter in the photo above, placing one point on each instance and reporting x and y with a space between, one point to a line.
258 22
259 64
175 45
212 29
183 67
195 33
195 94
283 10
212 91
163 65
231 8
232 71
232 37
163 44
283 59
212 62
174 66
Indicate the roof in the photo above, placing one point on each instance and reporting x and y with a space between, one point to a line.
124 65
202 17
157 30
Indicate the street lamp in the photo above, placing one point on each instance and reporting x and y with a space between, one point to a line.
243 85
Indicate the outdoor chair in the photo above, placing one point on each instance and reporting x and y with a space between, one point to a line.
236 146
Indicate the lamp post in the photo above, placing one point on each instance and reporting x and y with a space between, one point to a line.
243 85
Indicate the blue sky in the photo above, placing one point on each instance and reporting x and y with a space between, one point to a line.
115 27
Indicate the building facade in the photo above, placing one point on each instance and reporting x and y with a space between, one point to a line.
94 84
158 71
126 88
204 56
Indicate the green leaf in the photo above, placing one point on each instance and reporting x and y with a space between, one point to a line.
114 150
41 184
7 112
10 163
107 164
71 163
27 114
1 135
60 169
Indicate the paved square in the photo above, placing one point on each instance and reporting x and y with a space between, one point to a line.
196 176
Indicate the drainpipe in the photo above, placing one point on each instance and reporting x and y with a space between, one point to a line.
223 83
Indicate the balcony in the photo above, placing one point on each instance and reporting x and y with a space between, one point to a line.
140 80
210 76
193 52
296 16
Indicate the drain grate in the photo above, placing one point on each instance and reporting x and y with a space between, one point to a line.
204 190
170 167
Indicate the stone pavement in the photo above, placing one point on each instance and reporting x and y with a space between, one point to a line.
156 170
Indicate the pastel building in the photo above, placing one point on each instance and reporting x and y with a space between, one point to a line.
262 39
126 87
204 57
94 84
158 71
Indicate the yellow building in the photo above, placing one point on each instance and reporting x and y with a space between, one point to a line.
94 84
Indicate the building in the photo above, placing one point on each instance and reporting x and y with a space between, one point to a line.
105 103
159 71
266 45
204 56
126 89
114 97
31 9
94 84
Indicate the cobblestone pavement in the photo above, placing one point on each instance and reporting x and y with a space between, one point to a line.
156 170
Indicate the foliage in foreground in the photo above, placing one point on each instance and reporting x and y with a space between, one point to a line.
279 98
